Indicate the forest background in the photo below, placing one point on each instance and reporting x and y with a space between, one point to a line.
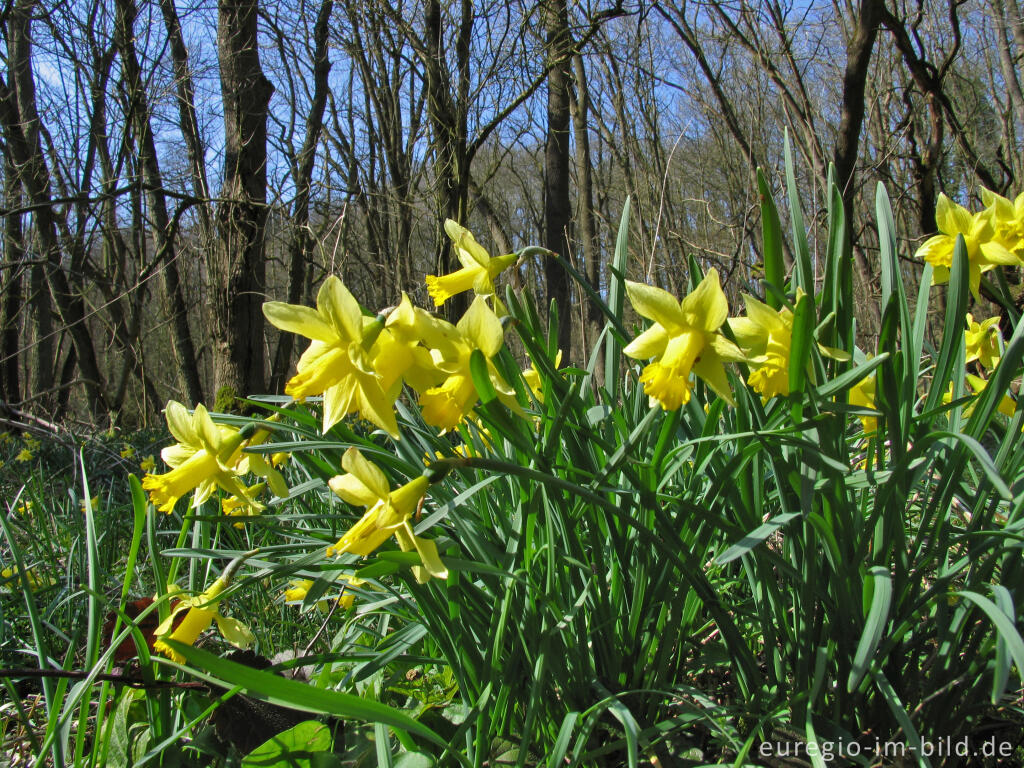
169 166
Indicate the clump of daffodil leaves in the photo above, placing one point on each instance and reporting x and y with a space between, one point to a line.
359 364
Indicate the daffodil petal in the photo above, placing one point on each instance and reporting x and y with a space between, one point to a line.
336 303
234 631
304 321
650 343
353 462
482 327
655 304
705 307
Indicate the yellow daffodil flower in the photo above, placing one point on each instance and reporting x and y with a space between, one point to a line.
94 503
128 451
148 464
478 268
232 506
766 336
448 403
387 514
337 362
983 341
200 612
983 251
31 580
532 378
1007 219
299 588
204 458
1007 405
404 348
24 455
862 394
683 339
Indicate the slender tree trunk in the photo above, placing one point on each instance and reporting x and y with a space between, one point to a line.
240 277
593 319
851 119
187 120
299 248
11 298
165 256
20 120
557 166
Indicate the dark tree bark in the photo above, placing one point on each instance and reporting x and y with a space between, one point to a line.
240 279
557 167
11 297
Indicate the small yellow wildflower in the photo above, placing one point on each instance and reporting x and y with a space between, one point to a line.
478 268
24 507
387 514
683 339
299 588
24 455
148 464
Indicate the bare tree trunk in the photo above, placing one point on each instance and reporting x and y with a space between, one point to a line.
187 120
851 119
20 120
557 166
11 297
593 320
299 247
240 277
163 238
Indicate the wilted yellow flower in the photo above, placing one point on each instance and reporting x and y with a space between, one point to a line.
337 362
205 457
387 514
478 268
683 339
200 612
978 230
446 404
983 341
24 455
148 464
